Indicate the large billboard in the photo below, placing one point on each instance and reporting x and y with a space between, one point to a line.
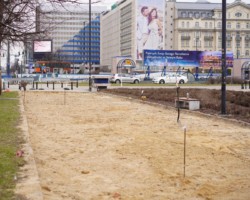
42 46
172 58
150 26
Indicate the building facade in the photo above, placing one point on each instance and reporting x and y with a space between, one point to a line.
68 28
197 26
186 26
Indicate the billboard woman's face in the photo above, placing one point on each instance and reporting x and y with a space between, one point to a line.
154 14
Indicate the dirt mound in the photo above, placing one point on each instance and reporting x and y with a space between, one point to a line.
237 102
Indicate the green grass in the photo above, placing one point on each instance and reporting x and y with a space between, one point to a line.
9 143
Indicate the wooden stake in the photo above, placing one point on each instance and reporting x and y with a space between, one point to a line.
184 152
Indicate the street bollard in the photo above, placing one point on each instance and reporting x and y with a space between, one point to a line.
36 85
61 85
53 85
71 85
47 84
77 83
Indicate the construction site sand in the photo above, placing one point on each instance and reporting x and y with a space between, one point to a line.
97 146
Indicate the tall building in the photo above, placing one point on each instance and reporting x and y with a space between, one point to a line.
181 26
68 28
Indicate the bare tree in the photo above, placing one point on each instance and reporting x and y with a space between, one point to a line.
18 18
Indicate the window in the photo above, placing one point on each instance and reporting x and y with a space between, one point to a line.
229 25
238 25
196 24
197 15
247 53
247 44
206 25
247 25
210 25
228 44
238 44
183 14
187 24
182 25
219 25
190 14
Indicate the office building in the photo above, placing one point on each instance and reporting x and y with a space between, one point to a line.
68 28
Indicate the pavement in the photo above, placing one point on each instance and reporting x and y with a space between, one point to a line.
73 88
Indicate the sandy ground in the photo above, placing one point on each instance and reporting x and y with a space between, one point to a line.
97 146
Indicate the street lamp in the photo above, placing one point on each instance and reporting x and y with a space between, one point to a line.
90 81
73 54
223 63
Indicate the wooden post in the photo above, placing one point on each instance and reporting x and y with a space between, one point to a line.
0 82
184 153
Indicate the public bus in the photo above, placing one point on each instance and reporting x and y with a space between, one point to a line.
57 67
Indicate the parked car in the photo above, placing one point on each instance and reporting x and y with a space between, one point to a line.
171 78
124 78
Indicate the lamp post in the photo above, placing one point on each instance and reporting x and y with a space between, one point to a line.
8 58
74 55
90 81
223 63
196 48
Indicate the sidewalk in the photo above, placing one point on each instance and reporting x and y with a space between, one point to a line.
51 87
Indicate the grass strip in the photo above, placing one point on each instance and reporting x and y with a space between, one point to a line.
9 143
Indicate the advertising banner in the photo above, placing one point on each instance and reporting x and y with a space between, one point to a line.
172 58
149 26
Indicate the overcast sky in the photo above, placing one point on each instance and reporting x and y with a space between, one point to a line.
111 2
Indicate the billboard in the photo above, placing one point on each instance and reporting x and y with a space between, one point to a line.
149 26
172 58
42 46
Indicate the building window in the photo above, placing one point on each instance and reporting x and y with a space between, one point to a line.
238 25
182 25
190 14
238 44
228 44
197 15
219 43
247 25
210 25
247 44
183 14
229 25
196 24
206 25
187 24
247 53
219 25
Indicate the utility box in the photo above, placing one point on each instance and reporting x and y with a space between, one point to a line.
100 82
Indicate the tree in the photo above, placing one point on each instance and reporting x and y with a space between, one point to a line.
18 18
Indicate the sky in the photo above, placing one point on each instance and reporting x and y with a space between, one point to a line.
111 2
